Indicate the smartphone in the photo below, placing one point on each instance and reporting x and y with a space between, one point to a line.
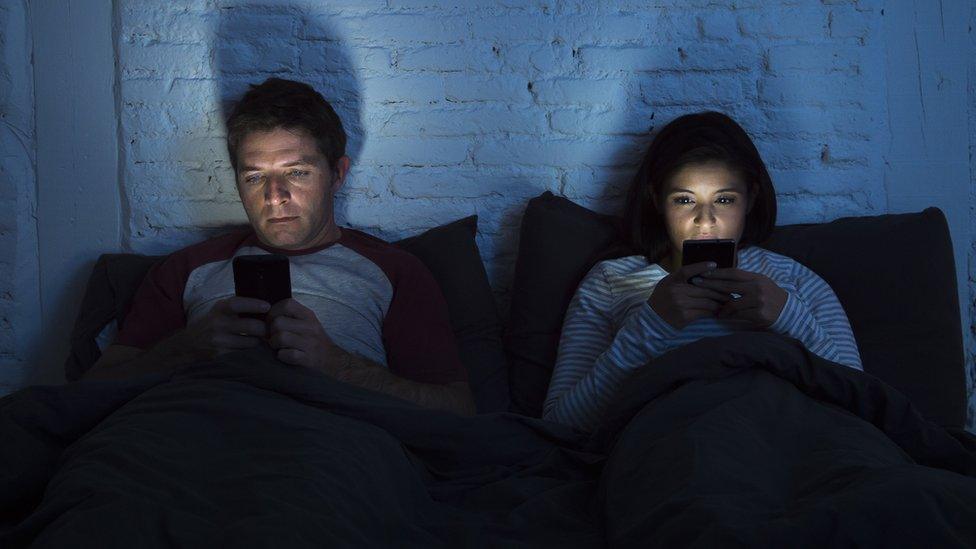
719 251
266 277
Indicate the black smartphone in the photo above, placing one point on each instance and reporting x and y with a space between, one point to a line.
719 250
266 277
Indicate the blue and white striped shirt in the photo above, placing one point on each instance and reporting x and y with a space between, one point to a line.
610 330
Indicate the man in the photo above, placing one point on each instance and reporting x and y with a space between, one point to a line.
363 312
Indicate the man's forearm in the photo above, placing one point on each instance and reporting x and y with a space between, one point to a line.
358 371
165 356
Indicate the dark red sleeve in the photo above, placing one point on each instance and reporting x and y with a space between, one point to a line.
157 308
417 332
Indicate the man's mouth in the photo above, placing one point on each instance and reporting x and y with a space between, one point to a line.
282 219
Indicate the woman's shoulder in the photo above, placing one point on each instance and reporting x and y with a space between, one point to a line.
626 267
759 259
624 274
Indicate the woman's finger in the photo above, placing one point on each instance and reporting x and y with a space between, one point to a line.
736 306
700 304
726 287
731 275
707 293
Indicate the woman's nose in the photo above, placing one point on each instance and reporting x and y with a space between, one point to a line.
705 214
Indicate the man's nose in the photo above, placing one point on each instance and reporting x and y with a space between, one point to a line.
277 190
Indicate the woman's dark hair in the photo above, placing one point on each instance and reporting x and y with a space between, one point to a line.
278 103
696 139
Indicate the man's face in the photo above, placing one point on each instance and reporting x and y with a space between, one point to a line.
288 188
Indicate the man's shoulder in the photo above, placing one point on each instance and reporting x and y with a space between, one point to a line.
394 261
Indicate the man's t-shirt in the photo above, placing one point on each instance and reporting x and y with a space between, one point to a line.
372 298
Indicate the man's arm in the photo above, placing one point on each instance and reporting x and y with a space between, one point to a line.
122 361
299 339
221 330
356 370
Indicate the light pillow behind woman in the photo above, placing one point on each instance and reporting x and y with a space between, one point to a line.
702 178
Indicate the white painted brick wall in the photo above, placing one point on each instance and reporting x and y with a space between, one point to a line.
460 107
455 108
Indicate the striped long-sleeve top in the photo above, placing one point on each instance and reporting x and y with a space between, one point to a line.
610 330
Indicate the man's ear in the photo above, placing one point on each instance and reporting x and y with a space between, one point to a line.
340 171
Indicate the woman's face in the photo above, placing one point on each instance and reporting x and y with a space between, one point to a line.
704 201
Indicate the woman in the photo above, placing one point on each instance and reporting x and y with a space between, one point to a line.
702 178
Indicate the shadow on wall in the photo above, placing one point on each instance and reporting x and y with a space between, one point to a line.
256 43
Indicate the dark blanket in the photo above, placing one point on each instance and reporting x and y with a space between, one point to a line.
745 440
247 452
752 441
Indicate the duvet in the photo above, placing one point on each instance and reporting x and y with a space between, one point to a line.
746 440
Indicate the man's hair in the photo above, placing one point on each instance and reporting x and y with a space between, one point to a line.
278 103
696 139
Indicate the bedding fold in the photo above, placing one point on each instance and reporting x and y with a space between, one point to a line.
753 441
746 440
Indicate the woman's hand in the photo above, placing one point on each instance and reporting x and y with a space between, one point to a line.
680 303
761 301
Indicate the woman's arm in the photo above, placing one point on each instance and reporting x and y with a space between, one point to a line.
593 361
814 315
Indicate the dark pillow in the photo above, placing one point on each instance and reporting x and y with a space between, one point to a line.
558 243
451 254
449 251
108 296
894 274
896 277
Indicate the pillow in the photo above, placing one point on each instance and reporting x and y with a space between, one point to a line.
451 254
896 277
449 251
558 243
894 274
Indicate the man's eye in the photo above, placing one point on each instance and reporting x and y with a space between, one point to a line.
253 178
298 173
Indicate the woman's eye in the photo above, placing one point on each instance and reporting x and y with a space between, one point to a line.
726 199
682 200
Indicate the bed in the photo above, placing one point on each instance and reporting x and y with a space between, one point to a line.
746 440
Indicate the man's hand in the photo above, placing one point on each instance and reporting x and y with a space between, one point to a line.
298 338
761 300
219 331
680 303
222 329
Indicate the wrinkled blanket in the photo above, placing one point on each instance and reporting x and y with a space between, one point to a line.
746 440
753 441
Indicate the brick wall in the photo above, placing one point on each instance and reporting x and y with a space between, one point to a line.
18 244
456 108
971 333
